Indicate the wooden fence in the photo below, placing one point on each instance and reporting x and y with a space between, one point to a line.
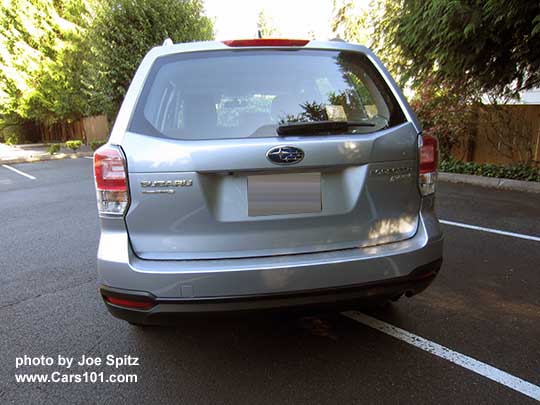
87 129
503 134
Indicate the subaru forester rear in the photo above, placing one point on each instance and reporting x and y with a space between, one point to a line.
255 174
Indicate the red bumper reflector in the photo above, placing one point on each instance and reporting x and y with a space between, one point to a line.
266 42
427 275
130 303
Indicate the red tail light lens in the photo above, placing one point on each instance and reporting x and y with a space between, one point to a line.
130 303
109 169
429 154
427 166
266 42
111 180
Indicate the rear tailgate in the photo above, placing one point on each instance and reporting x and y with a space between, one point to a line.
362 203
210 177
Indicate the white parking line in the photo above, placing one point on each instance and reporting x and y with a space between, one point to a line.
89 157
491 230
483 369
19 172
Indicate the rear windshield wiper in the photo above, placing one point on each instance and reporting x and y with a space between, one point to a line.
318 127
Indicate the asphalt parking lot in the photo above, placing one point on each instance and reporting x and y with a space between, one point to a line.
485 304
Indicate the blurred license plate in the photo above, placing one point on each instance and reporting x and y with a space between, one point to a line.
292 193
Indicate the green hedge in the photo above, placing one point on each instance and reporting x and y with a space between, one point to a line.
515 172
96 144
54 148
73 145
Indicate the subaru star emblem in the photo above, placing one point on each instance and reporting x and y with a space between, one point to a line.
285 155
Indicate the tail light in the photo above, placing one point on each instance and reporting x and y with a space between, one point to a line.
136 304
111 181
428 159
266 42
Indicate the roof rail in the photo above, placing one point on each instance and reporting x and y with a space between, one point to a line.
168 42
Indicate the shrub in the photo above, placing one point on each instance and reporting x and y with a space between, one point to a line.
447 113
12 138
73 145
96 144
516 172
53 148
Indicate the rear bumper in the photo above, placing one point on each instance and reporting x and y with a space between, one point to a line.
340 297
270 282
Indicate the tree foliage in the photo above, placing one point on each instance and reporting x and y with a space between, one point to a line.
488 45
61 60
350 22
453 53
266 26
125 30
445 113
40 73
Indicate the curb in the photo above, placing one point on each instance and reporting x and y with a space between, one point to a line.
43 158
491 182
25 146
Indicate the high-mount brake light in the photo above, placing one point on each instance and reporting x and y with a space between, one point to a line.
428 150
266 42
111 181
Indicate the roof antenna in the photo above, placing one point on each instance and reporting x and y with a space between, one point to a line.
168 42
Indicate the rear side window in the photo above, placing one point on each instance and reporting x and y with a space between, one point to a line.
249 93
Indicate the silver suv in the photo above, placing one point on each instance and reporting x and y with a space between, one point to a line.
258 174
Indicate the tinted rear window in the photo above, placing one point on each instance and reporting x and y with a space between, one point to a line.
249 93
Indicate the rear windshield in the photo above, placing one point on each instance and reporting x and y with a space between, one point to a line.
250 93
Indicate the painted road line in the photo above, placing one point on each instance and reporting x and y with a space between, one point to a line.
88 157
491 230
483 369
19 172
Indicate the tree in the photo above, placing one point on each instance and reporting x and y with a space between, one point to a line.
59 62
125 30
350 22
452 53
39 60
447 114
487 45
265 26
